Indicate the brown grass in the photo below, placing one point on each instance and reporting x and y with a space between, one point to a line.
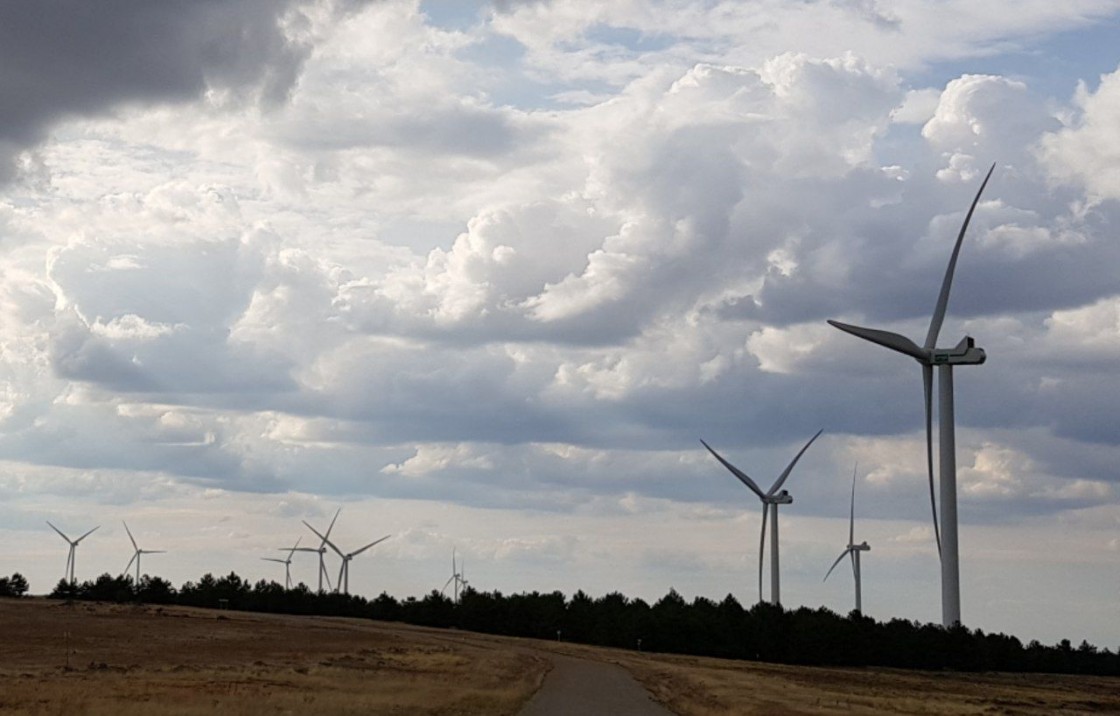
697 686
174 660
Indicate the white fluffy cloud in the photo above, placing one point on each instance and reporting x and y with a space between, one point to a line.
1086 150
424 276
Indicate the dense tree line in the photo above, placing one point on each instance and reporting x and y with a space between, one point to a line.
702 627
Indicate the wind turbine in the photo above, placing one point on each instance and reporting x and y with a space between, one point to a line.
928 355
69 573
852 549
343 583
287 564
457 578
322 550
137 553
770 501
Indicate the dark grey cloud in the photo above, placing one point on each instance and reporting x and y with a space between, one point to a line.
62 58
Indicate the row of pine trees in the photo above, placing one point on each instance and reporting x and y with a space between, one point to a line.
702 627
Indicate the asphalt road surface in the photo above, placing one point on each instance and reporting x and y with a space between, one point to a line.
589 688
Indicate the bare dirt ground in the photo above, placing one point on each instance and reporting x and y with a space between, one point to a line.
174 660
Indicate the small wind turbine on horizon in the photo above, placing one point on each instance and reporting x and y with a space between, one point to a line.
928 355
343 583
137 553
852 549
322 551
458 578
770 501
71 555
287 563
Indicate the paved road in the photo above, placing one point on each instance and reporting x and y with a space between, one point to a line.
589 688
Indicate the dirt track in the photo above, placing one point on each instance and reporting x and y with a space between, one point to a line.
580 686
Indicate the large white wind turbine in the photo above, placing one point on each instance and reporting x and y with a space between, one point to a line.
770 501
322 550
287 564
136 554
70 556
852 549
343 583
929 355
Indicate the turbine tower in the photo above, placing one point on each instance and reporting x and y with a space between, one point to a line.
343 583
458 579
70 556
930 356
137 553
852 549
287 564
770 501
322 550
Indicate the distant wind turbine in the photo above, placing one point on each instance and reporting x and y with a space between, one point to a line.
852 549
343 583
928 355
322 551
287 564
70 556
137 553
770 501
458 579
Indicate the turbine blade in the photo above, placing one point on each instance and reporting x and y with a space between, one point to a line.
333 519
60 533
743 477
855 574
789 468
887 339
947 282
445 585
356 552
317 533
127 566
273 559
852 516
87 534
153 551
130 537
762 548
927 386
843 554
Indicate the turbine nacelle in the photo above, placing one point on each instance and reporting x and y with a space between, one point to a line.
965 353
782 498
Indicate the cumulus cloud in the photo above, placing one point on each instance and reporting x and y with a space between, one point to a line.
524 263
1086 151
137 52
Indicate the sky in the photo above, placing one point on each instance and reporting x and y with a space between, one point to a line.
483 274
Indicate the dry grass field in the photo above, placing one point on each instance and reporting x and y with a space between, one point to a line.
174 660
697 686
